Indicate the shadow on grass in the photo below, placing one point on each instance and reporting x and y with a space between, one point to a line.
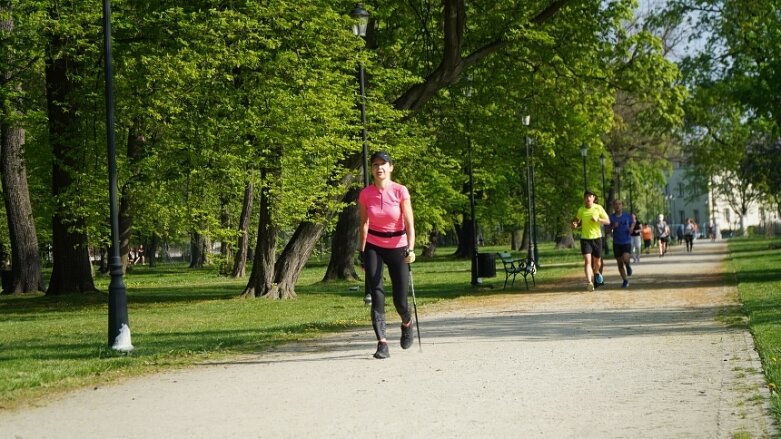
154 343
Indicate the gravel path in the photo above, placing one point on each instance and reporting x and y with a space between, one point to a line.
649 361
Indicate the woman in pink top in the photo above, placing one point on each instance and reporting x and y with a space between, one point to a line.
387 236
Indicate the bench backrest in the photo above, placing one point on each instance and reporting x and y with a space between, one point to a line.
506 257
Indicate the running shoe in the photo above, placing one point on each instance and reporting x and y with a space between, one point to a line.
625 283
628 270
406 336
599 280
382 350
590 286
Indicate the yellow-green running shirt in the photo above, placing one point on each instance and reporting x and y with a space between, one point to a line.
591 229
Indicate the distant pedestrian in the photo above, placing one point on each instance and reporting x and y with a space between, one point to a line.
662 231
590 218
622 224
139 257
689 233
648 237
387 236
637 239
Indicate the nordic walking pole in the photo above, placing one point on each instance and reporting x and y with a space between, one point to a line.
415 306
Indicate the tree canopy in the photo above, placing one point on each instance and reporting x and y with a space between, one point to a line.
213 97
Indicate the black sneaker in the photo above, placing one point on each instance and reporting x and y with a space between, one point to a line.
406 336
382 350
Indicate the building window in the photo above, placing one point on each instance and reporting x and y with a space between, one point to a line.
696 216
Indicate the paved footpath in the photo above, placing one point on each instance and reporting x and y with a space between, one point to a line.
651 361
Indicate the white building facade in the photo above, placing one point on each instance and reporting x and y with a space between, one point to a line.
711 210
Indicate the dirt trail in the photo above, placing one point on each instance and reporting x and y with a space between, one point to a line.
649 361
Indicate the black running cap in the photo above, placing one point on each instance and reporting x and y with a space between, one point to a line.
589 192
381 155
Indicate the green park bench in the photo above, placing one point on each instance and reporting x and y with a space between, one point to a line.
513 267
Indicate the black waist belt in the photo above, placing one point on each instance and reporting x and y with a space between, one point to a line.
387 234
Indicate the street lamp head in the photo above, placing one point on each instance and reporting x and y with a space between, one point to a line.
361 20
602 159
583 150
526 119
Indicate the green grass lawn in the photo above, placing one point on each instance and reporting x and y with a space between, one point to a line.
756 264
179 317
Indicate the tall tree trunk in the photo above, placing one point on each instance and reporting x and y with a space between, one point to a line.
197 250
103 264
136 142
154 245
299 248
466 239
518 238
72 271
125 229
293 259
240 263
25 259
344 244
261 280
226 250
433 241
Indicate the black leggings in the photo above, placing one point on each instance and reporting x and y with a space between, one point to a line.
373 259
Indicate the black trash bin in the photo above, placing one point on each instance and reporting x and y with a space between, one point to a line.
486 265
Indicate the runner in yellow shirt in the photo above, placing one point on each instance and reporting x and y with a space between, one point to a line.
590 218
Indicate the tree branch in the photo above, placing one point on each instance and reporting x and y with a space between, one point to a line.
452 64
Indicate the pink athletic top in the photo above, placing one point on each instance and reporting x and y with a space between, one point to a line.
384 210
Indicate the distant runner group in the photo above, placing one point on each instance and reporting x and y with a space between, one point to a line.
627 235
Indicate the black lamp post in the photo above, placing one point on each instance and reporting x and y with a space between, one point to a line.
604 200
534 213
526 119
475 266
618 180
360 23
118 325
475 261
584 152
